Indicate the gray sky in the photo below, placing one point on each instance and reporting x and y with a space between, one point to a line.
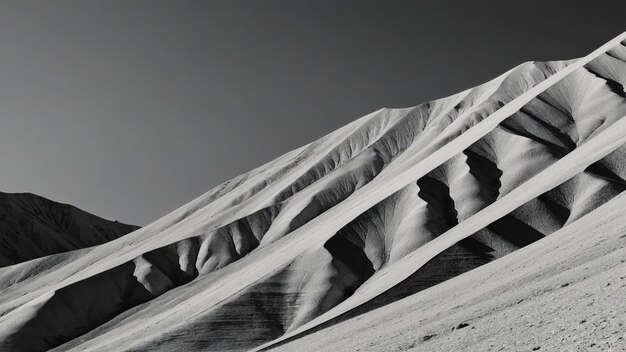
129 109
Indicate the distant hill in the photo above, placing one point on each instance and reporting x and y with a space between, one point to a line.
32 226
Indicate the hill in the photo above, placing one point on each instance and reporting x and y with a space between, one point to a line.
32 226
351 227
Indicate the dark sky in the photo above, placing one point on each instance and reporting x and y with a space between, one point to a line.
129 109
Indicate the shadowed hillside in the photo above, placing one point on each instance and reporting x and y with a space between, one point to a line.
33 227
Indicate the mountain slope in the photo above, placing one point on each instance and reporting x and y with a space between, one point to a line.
551 296
33 227
385 207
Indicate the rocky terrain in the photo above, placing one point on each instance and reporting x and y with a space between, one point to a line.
367 239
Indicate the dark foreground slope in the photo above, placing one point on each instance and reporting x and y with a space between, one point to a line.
32 226
381 209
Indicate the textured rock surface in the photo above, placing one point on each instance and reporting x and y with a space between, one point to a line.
549 296
337 231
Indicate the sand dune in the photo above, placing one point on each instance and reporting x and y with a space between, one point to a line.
386 208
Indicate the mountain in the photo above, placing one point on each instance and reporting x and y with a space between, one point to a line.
368 237
563 293
32 226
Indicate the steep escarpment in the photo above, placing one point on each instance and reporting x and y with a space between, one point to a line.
394 203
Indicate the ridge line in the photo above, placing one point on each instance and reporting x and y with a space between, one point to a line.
500 115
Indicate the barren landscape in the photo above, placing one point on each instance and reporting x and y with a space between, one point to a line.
488 220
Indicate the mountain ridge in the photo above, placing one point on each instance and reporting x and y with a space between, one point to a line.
419 194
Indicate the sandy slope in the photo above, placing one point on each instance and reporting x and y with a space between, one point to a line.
551 296
34 227
381 209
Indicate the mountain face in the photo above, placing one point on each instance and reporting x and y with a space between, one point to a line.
33 227
344 231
